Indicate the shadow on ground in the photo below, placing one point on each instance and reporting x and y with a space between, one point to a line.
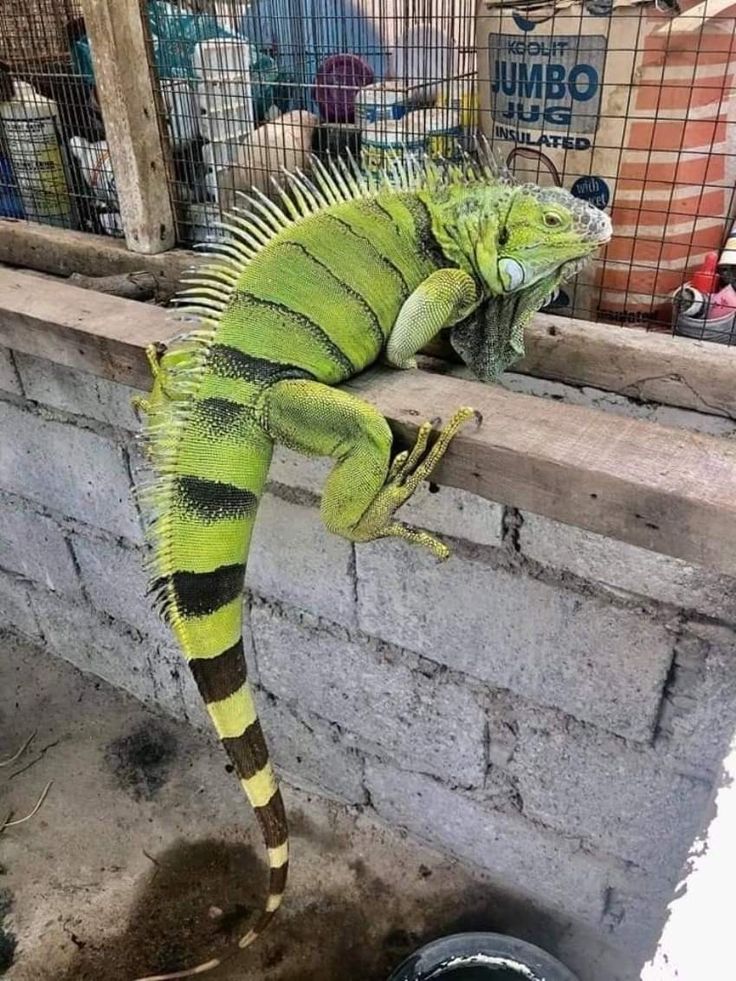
199 897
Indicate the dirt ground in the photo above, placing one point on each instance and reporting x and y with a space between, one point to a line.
145 859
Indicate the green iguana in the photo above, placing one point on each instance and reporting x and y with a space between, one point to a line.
304 295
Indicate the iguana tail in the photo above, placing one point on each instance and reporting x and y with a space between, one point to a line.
212 460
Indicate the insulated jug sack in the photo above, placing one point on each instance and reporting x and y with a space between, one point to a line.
611 100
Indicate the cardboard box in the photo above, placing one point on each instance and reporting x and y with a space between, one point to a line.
595 96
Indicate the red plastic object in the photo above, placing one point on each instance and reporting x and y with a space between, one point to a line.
706 278
338 79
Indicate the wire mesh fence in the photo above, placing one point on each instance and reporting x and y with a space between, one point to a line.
630 106
249 88
54 164
627 104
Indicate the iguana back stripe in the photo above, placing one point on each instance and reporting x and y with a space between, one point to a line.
278 854
219 677
201 593
232 715
211 500
382 207
428 243
279 879
219 416
261 789
331 289
276 326
373 269
229 362
206 636
273 822
359 230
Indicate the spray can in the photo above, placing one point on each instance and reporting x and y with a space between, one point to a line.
32 140
727 259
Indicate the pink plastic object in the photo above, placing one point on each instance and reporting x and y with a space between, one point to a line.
726 297
723 302
338 79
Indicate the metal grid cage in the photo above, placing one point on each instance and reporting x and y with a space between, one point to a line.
54 163
249 88
627 104
34 31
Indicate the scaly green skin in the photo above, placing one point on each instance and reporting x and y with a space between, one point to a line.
303 298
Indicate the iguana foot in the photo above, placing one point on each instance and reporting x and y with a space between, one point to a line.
140 405
154 353
408 469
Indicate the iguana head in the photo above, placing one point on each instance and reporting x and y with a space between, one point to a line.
544 229
510 237
520 242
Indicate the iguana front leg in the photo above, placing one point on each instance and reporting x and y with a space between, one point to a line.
365 487
442 299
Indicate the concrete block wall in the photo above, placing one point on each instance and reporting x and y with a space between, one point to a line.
549 706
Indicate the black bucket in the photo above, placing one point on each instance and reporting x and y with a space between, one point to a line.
481 957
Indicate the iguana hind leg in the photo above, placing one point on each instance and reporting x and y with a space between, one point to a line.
154 353
365 488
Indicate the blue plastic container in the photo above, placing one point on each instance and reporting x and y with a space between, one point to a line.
11 205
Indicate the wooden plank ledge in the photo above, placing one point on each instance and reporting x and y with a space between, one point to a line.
62 252
648 367
668 490
651 367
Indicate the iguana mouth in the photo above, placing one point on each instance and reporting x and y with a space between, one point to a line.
572 268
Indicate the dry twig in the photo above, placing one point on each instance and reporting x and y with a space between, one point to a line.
13 824
21 751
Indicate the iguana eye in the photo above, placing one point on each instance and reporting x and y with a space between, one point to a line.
551 220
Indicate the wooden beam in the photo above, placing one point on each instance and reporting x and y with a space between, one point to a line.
125 91
668 490
104 335
62 252
649 367
646 366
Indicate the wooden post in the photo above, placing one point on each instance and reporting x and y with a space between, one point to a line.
125 91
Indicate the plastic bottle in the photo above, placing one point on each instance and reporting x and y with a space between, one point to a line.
29 123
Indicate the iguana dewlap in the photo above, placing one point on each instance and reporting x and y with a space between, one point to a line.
303 296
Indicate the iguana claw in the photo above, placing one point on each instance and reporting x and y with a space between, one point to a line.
408 469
